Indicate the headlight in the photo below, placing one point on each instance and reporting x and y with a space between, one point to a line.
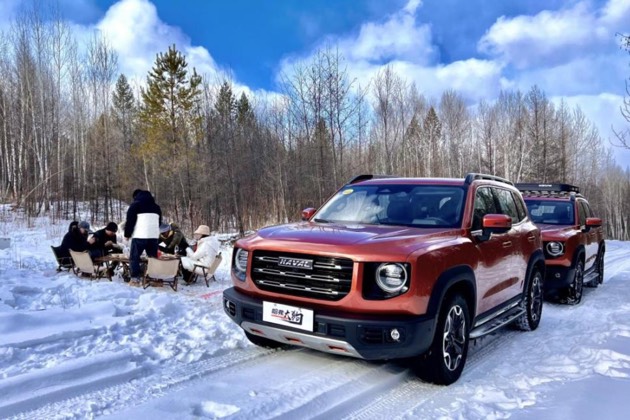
555 249
391 277
240 261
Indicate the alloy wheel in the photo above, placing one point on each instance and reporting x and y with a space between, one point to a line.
454 338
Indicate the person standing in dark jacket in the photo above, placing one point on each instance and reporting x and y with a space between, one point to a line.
142 226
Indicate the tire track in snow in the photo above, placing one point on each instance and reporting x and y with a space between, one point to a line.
413 392
104 397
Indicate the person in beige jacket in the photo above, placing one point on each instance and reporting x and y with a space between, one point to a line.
204 252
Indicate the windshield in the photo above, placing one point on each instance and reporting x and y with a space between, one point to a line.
551 212
407 205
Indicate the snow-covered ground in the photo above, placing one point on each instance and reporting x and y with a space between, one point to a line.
74 348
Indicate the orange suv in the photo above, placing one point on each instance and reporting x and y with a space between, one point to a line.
394 268
573 239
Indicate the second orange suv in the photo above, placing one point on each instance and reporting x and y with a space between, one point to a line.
392 268
573 239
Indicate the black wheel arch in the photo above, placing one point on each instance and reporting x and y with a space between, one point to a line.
536 260
580 251
459 279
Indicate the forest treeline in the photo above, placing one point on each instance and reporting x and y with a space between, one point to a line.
73 129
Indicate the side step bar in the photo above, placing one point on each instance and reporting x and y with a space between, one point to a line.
590 278
496 323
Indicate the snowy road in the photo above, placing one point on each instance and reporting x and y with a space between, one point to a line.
70 348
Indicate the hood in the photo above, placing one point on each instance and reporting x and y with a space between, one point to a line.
555 232
351 239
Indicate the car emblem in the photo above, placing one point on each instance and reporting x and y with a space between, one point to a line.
295 263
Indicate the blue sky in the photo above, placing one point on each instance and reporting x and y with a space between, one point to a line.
478 47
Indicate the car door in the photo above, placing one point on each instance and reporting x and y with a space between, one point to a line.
519 237
590 235
493 267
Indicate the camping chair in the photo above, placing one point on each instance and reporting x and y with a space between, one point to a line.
84 266
63 263
207 272
160 272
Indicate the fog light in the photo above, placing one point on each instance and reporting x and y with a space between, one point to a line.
557 275
394 334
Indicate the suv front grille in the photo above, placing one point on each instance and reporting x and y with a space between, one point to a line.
329 279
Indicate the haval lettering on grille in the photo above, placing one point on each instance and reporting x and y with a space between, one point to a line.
394 268
573 239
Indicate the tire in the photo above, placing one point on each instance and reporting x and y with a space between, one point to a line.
600 266
533 303
444 362
263 342
576 289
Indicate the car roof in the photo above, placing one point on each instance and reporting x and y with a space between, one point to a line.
547 197
412 181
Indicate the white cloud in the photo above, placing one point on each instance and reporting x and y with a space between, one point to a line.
399 41
552 37
136 32
398 37
582 75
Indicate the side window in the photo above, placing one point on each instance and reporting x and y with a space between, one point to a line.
507 205
484 204
520 206
581 213
589 212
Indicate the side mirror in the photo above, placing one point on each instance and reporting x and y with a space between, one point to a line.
493 224
308 213
592 222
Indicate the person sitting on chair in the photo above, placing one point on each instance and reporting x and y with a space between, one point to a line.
205 252
105 241
63 251
173 239
77 237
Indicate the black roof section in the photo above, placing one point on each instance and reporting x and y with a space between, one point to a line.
554 189
473 176
365 177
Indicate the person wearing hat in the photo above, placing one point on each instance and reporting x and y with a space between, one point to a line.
64 248
105 241
78 237
173 240
205 251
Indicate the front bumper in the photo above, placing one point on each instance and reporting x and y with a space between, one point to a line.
558 277
352 335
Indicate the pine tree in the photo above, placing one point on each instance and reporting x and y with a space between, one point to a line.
169 102
433 132
124 109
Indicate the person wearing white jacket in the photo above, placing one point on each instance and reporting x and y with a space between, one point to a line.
204 253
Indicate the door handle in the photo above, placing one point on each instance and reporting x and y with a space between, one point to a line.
507 244
531 238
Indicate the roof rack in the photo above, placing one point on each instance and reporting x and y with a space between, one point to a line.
549 190
366 177
473 176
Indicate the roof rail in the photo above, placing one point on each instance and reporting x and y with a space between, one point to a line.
365 177
548 187
473 176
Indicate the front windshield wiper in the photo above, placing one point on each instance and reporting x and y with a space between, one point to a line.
321 220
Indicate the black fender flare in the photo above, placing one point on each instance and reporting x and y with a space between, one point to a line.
461 275
536 259
579 250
